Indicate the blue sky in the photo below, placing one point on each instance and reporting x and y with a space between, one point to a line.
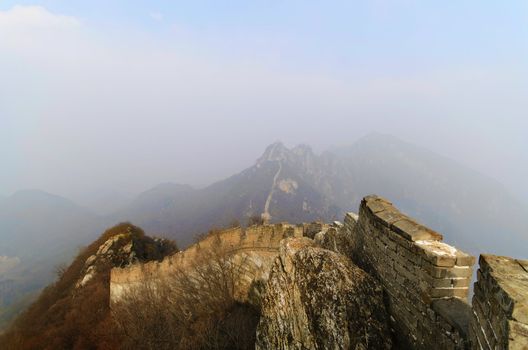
176 76
383 37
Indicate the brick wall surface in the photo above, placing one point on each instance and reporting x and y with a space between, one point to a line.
500 304
426 281
259 245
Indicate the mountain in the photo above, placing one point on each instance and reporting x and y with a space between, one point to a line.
472 210
275 186
104 201
38 231
296 185
41 217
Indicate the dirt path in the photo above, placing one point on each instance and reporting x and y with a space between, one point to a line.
266 215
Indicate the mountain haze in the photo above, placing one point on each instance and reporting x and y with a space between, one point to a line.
277 178
296 185
39 230
469 208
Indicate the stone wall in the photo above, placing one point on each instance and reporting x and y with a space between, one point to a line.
257 245
425 280
500 304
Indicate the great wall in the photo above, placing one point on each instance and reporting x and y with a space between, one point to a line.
425 281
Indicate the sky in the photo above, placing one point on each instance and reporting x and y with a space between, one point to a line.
123 95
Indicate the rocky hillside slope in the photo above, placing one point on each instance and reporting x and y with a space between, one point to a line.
379 280
38 230
318 299
73 312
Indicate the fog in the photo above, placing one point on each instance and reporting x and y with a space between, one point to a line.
98 98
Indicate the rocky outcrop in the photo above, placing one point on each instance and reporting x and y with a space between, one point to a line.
125 248
338 239
318 299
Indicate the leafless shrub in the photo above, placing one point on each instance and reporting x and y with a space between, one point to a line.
60 269
195 307
255 220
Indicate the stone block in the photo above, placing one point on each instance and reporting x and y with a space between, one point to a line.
413 231
448 282
437 253
376 204
464 259
389 215
444 272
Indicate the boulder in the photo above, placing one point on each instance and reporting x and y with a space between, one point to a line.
318 299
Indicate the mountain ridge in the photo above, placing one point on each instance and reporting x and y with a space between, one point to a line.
285 184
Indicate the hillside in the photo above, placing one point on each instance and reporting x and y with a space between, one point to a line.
277 178
73 312
39 230
379 280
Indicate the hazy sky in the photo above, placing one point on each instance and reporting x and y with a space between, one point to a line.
125 95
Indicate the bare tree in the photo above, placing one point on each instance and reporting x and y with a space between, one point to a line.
255 220
194 307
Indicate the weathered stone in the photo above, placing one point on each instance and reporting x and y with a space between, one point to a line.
376 204
318 299
413 231
500 304
415 269
258 244
518 337
455 311
320 237
464 259
309 230
437 253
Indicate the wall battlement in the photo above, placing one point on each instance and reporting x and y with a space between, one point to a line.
422 276
500 304
259 242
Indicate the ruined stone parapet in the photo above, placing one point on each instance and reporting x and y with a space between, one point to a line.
312 228
258 244
500 304
425 282
416 270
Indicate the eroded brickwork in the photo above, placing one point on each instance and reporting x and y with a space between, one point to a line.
500 304
425 281
424 278
257 245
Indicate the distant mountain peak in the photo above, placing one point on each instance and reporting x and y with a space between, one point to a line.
275 151
278 152
302 150
36 196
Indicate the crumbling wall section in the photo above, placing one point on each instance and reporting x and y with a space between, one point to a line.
500 304
425 281
258 245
